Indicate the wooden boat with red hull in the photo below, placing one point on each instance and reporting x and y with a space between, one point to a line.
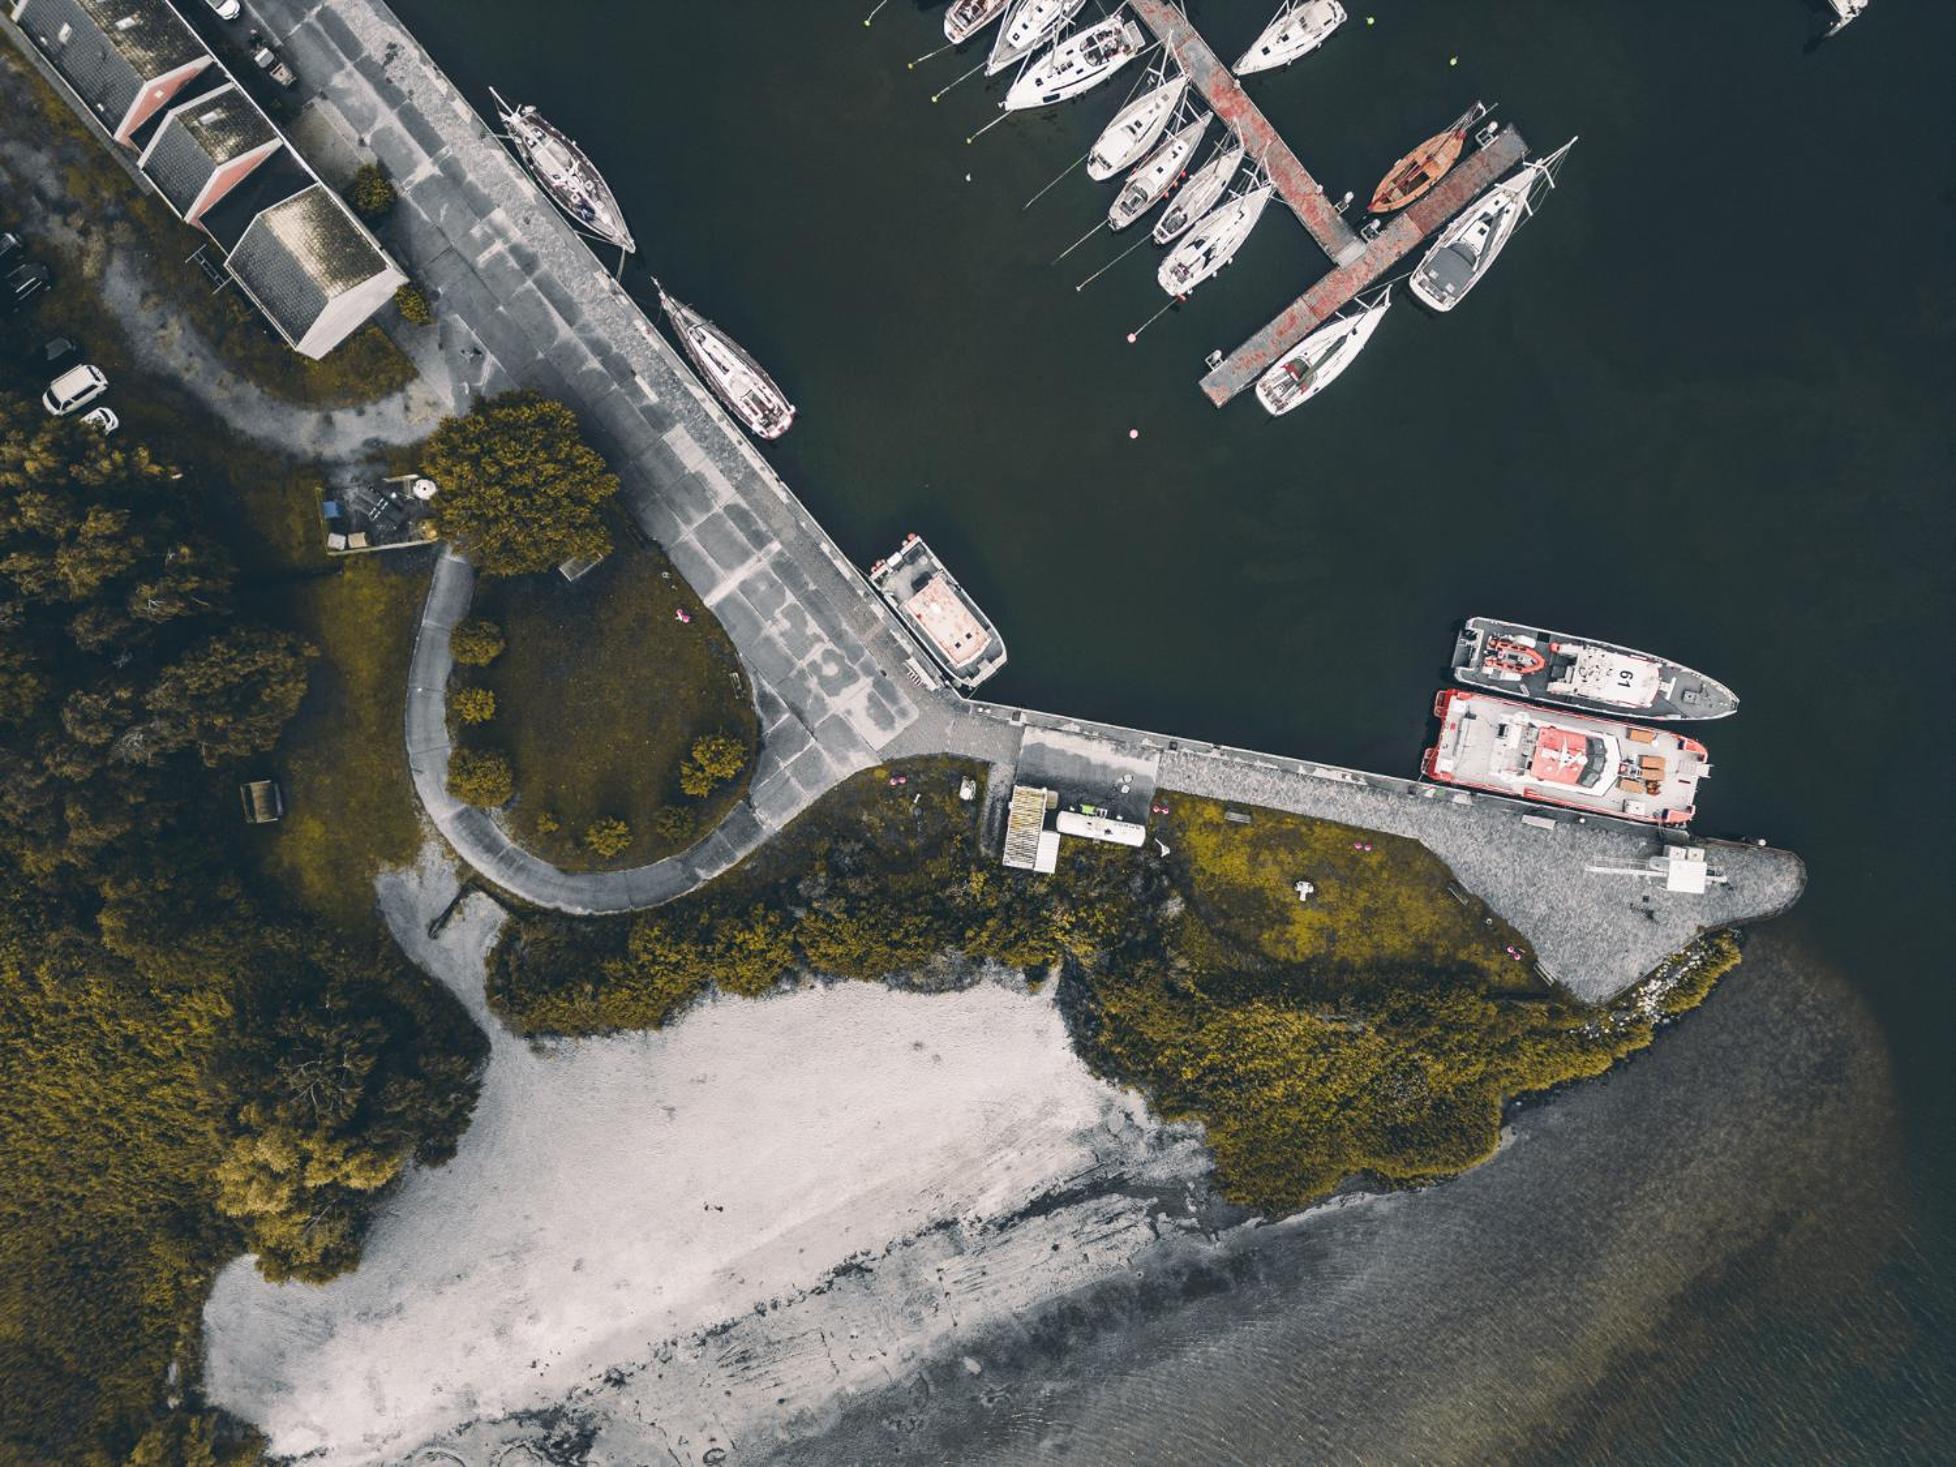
1600 766
1425 166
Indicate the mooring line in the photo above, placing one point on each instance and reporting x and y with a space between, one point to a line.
1110 264
1049 187
1080 241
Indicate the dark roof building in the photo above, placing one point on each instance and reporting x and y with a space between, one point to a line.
205 148
125 59
313 270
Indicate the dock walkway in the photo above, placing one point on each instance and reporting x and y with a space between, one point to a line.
1241 368
1227 99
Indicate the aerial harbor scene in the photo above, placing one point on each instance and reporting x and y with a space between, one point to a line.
976 731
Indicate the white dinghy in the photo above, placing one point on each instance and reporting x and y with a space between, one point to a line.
1029 25
1150 182
1195 197
749 393
1321 358
1136 128
1470 245
1077 64
966 18
1298 29
1214 241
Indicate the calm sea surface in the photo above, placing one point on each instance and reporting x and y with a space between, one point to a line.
1702 406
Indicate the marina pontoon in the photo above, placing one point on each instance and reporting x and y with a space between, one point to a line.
1552 667
748 392
1601 766
1472 243
1077 64
1029 25
1151 180
1321 358
559 165
1204 186
966 18
1136 127
1214 241
1425 166
1298 29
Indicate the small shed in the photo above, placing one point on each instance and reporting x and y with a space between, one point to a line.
263 801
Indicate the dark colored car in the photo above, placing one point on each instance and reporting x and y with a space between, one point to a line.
25 283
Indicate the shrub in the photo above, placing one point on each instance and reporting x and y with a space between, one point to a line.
480 777
673 823
716 758
608 837
473 705
371 194
476 643
547 824
413 304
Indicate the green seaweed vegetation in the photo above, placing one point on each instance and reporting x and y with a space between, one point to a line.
1372 1032
195 1067
609 710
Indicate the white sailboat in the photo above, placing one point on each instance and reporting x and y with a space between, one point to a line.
1082 61
749 393
1151 180
1321 358
1029 25
1471 244
1204 186
571 179
1214 241
1136 128
1298 29
966 18
1845 13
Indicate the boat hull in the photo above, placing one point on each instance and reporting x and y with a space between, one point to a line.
1136 128
1294 33
742 386
566 175
1581 673
1151 180
1320 359
1469 247
1419 170
1196 196
1029 25
966 18
1078 64
1213 243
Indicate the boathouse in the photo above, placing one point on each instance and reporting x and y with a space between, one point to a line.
124 60
205 148
314 272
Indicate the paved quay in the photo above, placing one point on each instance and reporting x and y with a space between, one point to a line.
825 658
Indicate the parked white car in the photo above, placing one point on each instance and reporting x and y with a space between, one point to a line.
103 418
77 387
226 9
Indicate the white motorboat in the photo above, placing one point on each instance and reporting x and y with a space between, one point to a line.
1151 180
966 18
1471 244
1136 128
1082 61
1845 13
1321 358
749 393
1029 25
559 165
1195 197
1298 29
1214 241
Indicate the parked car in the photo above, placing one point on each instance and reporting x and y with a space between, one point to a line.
103 418
76 387
226 9
273 66
26 282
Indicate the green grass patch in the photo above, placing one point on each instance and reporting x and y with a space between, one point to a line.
600 695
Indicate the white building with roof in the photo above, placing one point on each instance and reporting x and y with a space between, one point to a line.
123 59
313 270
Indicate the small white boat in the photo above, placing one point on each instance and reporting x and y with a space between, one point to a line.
1029 25
966 18
1298 29
572 181
1151 180
1082 61
1845 13
748 392
1322 357
1195 197
1471 244
1214 241
1136 128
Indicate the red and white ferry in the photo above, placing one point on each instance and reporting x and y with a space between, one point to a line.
1597 765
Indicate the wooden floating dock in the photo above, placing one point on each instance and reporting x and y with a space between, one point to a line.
1469 179
1227 99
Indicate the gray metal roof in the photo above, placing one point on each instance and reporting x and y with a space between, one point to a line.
113 48
298 256
200 136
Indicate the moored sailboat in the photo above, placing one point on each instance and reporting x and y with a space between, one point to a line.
565 174
1321 358
1214 241
1151 180
966 18
1298 29
1136 127
1470 245
738 380
1201 190
1426 165
1082 61
1029 25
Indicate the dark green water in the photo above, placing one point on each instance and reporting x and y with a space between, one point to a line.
1701 406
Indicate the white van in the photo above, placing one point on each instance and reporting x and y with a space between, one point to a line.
77 387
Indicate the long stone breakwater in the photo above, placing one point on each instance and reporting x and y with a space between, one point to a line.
826 660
